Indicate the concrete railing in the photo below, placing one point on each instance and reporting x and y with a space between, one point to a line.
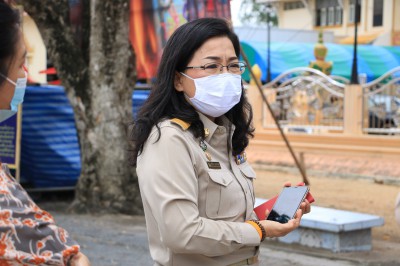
382 104
348 136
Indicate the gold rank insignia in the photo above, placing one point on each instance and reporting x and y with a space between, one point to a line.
184 125
206 132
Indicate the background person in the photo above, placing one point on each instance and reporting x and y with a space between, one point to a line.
28 235
189 142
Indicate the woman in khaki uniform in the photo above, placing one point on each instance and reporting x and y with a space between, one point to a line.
190 137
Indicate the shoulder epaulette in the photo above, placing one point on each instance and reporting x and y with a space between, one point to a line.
184 125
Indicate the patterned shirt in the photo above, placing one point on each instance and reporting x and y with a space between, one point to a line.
28 234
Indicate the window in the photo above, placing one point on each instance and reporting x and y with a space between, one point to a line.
318 18
378 13
293 5
328 12
338 15
352 11
323 16
331 16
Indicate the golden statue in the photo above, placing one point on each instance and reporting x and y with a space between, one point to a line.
309 106
320 52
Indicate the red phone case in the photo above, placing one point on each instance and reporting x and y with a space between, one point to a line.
260 209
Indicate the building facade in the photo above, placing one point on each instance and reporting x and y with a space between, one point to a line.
379 21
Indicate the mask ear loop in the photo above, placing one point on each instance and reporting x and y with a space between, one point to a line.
186 76
12 82
187 97
9 80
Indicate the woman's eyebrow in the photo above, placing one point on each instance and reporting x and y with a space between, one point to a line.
216 58
219 58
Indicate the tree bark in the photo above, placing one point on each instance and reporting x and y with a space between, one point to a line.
98 78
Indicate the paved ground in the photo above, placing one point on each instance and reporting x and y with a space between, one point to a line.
122 240
110 240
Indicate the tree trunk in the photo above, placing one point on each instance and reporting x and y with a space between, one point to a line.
99 80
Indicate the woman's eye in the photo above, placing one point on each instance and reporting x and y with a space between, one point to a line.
212 66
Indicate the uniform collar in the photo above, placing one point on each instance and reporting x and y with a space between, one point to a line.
213 127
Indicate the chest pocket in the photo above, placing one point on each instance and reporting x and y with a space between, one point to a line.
222 195
247 171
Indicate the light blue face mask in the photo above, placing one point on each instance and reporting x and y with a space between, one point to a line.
19 93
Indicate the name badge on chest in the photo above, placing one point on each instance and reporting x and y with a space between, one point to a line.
214 165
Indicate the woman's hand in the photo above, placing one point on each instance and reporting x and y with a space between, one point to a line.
275 229
305 206
80 260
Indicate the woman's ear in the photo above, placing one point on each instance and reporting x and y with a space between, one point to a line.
178 82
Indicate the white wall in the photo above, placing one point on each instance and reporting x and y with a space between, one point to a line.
37 59
396 18
295 19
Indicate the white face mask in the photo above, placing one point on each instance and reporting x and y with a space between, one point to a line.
217 94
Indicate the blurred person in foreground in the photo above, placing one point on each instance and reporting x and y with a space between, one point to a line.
189 144
28 234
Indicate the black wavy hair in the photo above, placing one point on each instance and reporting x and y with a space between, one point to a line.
165 102
9 32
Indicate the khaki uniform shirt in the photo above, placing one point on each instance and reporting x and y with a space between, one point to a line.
195 214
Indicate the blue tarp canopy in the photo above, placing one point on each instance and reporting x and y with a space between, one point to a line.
374 61
50 152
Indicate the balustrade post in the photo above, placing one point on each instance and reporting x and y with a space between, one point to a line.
353 110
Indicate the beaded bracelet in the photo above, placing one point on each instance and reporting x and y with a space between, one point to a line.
263 233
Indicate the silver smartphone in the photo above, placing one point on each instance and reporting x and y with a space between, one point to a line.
287 203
